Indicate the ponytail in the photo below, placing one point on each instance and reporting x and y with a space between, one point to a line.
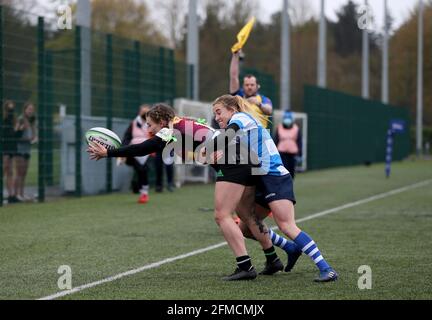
238 104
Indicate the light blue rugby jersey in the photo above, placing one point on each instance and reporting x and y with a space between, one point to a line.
258 138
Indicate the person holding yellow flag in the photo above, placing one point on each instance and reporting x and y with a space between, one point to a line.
262 106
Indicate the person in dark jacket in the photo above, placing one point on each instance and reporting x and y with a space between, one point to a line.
9 142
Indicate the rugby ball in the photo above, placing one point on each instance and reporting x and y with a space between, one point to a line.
104 137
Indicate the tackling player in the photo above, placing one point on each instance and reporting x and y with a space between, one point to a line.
274 181
230 185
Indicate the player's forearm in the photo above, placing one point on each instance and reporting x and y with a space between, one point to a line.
137 150
267 109
234 73
219 143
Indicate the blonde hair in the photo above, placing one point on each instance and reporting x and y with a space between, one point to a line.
238 104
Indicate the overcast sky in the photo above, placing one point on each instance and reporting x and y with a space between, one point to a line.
399 9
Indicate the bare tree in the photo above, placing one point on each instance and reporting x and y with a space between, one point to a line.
172 13
300 11
26 6
241 11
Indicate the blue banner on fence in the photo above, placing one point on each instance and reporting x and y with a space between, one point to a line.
396 126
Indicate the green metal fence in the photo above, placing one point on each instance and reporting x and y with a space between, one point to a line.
348 130
42 64
1 106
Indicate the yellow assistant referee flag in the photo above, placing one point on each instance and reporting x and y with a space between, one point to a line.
243 35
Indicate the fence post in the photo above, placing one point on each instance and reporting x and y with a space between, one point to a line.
49 134
137 49
173 76
41 109
161 74
78 177
109 101
190 81
1 104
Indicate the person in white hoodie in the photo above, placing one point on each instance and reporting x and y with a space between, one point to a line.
137 133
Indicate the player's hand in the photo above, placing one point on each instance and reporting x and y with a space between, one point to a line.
201 157
97 151
254 101
216 156
120 161
211 159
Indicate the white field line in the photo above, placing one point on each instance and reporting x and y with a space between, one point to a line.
221 244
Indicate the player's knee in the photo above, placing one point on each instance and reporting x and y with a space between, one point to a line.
220 216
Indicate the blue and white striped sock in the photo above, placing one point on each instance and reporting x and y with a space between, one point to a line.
308 246
282 242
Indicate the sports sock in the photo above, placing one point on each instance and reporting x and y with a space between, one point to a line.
270 254
144 189
282 242
244 263
308 246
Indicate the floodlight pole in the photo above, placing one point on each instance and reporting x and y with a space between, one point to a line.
193 47
385 57
365 62
83 16
419 132
322 71
285 59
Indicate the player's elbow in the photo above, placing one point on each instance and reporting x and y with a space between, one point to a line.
268 110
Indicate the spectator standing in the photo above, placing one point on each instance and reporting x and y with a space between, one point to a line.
137 133
26 136
9 149
289 142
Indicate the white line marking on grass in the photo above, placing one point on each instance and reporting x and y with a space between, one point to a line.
199 251
363 201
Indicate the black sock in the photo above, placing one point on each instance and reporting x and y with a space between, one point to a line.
270 254
244 263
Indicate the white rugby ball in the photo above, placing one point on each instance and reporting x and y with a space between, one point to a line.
104 137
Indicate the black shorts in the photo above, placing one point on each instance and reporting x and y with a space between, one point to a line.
272 188
9 150
9 154
239 174
26 156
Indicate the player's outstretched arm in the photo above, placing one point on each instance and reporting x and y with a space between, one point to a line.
154 144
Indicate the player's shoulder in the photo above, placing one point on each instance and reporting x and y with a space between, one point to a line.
243 119
239 93
166 134
241 116
264 99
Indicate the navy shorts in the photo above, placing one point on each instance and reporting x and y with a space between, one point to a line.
272 188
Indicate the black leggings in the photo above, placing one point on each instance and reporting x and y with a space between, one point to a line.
141 171
159 164
289 162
